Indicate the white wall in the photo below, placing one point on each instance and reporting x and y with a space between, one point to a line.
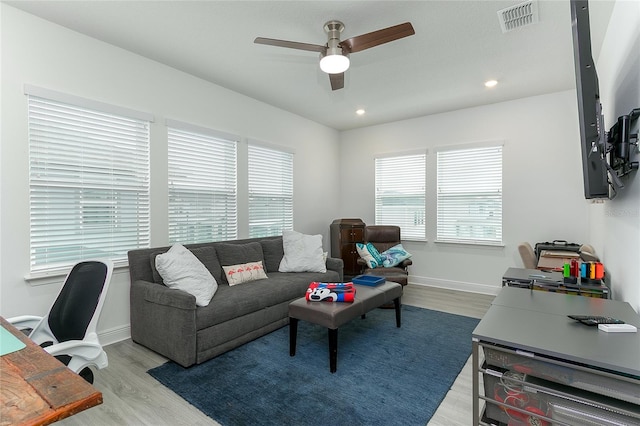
616 224
542 167
542 182
42 54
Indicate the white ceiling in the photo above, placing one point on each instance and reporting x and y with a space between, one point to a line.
457 46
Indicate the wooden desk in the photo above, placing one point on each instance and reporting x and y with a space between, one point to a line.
37 389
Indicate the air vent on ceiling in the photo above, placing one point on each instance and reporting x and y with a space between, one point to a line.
518 16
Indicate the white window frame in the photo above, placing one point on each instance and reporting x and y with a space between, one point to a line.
89 175
203 175
400 193
469 194
270 183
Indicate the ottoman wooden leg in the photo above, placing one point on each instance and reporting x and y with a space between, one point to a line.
333 349
293 333
396 304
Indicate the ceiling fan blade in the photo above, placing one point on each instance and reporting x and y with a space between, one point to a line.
337 81
375 38
290 44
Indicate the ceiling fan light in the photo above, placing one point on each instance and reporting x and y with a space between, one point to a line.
334 64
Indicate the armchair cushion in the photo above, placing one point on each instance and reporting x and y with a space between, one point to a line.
394 256
369 254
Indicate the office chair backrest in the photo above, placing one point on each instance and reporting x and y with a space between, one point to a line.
527 255
78 301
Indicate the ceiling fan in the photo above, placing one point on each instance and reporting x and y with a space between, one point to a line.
334 55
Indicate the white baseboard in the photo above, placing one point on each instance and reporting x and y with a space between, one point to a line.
114 335
455 285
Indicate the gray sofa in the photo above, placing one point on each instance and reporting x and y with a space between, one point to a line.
168 321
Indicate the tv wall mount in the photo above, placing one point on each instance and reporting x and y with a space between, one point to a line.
618 143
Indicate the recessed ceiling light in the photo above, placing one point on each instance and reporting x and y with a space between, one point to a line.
491 83
360 111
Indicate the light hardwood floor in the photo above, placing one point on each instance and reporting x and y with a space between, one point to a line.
132 397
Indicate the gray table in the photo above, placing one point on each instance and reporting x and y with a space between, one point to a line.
334 314
536 322
553 282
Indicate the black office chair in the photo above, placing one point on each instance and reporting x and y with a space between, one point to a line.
68 330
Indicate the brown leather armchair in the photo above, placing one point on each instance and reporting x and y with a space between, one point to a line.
384 237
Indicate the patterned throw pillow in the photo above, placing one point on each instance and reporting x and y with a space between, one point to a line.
370 254
394 256
375 253
243 273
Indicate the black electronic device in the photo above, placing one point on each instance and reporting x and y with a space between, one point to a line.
595 320
621 141
605 155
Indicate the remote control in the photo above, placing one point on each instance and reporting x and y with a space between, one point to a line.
617 328
595 320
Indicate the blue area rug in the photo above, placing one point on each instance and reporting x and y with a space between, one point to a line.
386 375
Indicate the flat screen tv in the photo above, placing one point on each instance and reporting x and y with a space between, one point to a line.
592 134
606 156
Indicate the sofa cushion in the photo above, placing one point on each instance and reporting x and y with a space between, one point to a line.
235 301
244 273
180 269
152 258
273 252
206 255
235 254
302 253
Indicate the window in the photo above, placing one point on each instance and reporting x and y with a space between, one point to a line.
270 191
469 195
202 186
400 194
88 182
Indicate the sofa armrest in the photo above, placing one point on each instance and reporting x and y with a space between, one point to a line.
336 264
164 320
162 295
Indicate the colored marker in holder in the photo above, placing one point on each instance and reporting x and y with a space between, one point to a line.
599 274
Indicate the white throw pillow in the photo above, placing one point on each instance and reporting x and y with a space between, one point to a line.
238 274
302 253
180 269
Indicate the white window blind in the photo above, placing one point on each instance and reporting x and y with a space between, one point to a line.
270 191
88 183
400 194
469 195
202 187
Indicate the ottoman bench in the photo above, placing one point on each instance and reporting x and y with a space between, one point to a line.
334 314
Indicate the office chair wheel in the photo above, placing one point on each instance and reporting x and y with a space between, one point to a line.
87 374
